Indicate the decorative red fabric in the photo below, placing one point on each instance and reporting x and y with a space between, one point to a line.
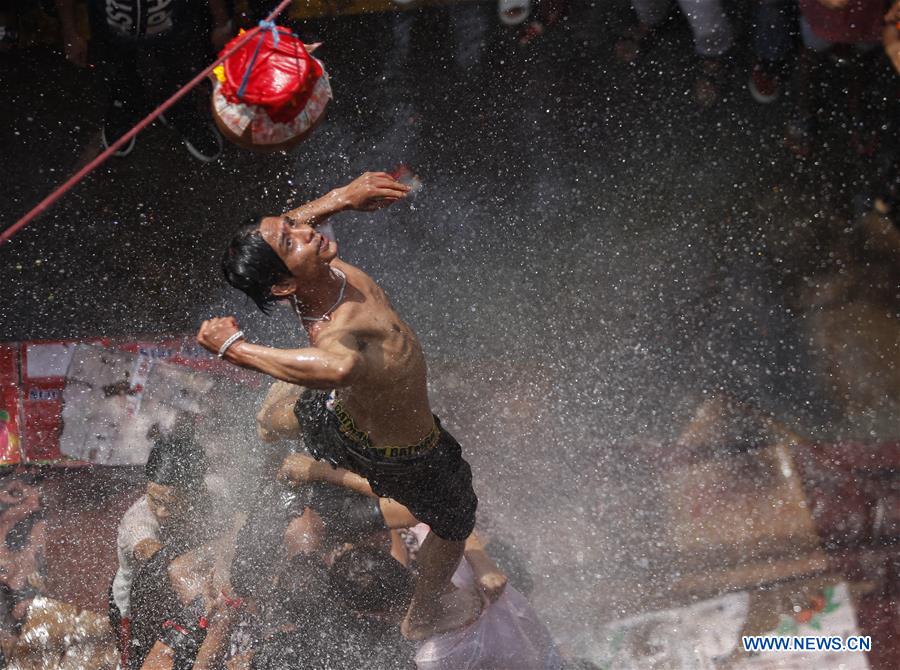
281 77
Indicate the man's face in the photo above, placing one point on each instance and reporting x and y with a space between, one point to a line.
166 503
300 247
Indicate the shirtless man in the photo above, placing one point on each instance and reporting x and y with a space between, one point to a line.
371 413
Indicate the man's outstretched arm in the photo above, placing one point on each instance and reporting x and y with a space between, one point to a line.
371 191
325 367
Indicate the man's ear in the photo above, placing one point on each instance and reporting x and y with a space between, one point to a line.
284 288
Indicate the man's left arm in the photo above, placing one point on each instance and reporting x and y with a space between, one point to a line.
329 366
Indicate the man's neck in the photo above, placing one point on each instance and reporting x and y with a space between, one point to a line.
322 297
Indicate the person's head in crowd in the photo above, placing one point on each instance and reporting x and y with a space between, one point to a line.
22 508
370 580
175 471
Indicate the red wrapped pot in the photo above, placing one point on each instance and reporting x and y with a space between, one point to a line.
271 93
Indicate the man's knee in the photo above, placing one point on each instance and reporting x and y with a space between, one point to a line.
276 419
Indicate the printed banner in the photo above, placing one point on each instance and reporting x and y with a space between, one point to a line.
34 389
117 402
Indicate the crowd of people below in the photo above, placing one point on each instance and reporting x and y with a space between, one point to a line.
308 574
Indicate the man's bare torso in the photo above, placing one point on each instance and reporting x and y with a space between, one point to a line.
390 398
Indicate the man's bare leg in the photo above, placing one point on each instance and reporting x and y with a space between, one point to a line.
437 606
275 419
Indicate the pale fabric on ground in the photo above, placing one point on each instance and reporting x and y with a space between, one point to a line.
507 636
137 524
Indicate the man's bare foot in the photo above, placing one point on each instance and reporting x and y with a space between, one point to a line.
452 610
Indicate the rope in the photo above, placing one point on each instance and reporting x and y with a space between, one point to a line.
61 190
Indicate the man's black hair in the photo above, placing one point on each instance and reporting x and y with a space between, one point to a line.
176 459
371 580
252 266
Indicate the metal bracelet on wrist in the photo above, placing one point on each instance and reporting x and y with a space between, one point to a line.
227 343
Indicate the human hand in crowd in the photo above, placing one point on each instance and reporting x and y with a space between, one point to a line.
890 37
834 4
305 534
893 14
299 468
214 332
18 501
371 191
891 42
146 549
221 607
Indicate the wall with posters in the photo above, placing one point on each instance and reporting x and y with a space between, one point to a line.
84 400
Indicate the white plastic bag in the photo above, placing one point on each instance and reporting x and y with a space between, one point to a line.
507 636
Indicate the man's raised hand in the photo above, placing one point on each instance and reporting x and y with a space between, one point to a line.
371 191
214 332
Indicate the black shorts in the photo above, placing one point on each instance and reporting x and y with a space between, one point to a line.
436 485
